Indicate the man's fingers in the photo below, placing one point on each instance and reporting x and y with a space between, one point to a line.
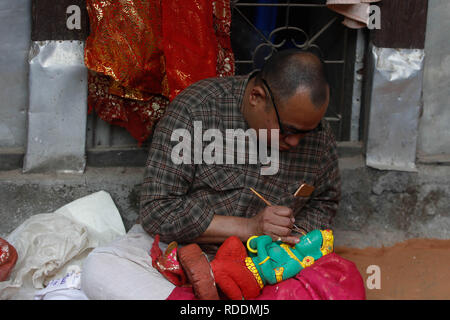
286 239
279 221
277 231
290 240
282 211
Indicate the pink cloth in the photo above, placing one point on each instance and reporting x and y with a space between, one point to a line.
330 278
356 12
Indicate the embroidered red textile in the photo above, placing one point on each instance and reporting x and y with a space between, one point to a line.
125 42
144 52
167 264
138 117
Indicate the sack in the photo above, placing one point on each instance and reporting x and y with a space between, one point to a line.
8 258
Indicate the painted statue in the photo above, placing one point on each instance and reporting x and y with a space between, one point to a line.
238 272
242 274
272 262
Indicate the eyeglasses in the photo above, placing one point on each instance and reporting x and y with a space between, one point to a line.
283 129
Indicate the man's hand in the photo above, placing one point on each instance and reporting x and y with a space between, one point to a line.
275 221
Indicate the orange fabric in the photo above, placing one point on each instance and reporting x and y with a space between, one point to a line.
138 117
125 42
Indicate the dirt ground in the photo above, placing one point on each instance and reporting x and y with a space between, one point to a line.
414 269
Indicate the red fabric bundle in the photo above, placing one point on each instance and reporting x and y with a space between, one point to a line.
329 278
8 259
230 272
167 264
198 271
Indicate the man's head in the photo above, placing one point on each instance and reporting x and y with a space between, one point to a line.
290 93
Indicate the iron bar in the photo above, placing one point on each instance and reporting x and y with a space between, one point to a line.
321 31
251 24
287 14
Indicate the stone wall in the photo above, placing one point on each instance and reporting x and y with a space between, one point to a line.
15 26
377 207
384 207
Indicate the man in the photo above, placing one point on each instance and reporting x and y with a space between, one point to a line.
207 203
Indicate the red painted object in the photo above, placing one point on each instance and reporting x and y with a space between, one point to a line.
230 272
8 259
198 271
167 264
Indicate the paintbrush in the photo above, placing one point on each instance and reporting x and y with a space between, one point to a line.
297 229
261 197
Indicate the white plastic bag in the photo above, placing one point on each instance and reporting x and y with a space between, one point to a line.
47 243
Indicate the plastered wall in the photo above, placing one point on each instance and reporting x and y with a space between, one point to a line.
15 26
434 126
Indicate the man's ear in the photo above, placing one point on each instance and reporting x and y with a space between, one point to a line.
257 96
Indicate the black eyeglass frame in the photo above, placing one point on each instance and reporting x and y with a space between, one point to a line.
282 129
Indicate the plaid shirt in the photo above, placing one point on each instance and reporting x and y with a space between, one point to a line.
178 202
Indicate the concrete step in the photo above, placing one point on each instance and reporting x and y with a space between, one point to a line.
377 207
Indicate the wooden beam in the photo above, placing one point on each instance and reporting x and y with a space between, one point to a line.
59 20
403 24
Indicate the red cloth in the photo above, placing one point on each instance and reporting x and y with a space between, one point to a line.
167 264
329 278
230 272
8 259
189 43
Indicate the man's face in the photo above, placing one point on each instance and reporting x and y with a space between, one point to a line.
296 115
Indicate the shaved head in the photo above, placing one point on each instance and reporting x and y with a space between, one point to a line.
291 70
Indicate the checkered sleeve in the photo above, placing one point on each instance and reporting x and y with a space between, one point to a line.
320 211
166 207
